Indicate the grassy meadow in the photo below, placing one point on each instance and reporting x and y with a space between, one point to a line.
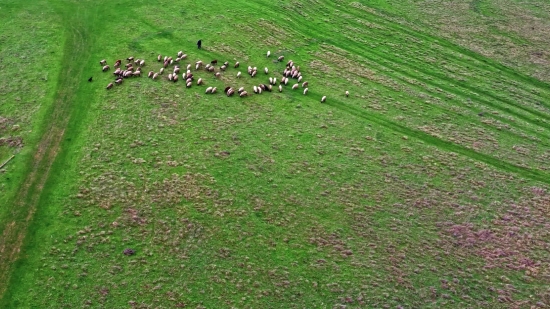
427 187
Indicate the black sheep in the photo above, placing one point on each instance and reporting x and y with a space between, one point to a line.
199 43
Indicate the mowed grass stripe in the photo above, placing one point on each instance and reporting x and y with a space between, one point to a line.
76 50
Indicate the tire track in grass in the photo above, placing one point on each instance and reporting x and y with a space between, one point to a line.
406 70
439 143
29 195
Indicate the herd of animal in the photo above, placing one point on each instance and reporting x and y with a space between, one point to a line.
134 66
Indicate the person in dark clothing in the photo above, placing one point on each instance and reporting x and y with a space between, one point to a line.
199 43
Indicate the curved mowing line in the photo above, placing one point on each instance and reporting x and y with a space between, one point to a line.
484 61
448 146
359 51
24 206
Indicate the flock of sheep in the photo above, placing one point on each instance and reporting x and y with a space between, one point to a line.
133 69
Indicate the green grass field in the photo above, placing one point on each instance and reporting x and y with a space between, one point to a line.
427 187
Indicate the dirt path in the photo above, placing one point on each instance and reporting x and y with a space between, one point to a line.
28 197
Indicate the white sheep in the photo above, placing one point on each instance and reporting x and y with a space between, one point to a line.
161 70
150 74
170 76
305 90
175 78
243 94
239 74
180 53
103 62
218 75
208 90
295 86
199 82
214 90
280 88
280 58
159 58
266 70
255 89
299 78
240 90
268 53
183 56
237 64
323 99
155 75
347 93
189 84
304 84
109 86
105 68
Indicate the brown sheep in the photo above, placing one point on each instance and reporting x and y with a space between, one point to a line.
109 86
214 62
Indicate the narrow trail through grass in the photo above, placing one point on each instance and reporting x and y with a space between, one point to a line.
76 49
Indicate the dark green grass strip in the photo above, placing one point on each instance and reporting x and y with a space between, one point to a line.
445 145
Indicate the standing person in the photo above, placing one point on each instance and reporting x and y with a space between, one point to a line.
199 43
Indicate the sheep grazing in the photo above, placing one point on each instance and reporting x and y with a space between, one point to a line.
183 56
109 86
295 86
270 80
218 74
189 80
214 62
118 71
268 53
128 65
178 59
170 76
240 90
254 73
286 81
161 70
223 67
180 53
255 89
304 84
239 74
137 73
230 92
127 73
175 78
299 78
211 69
323 99
155 75
119 81
347 93
117 63
150 74
226 88
236 64
199 62
189 84
266 70
176 70
274 80
305 91
166 63
165 58
136 61
259 90
243 94
289 63
105 68
226 63
171 62
208 90
103 62
130 59
280 88
280 58
214 90
159 58
199 82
